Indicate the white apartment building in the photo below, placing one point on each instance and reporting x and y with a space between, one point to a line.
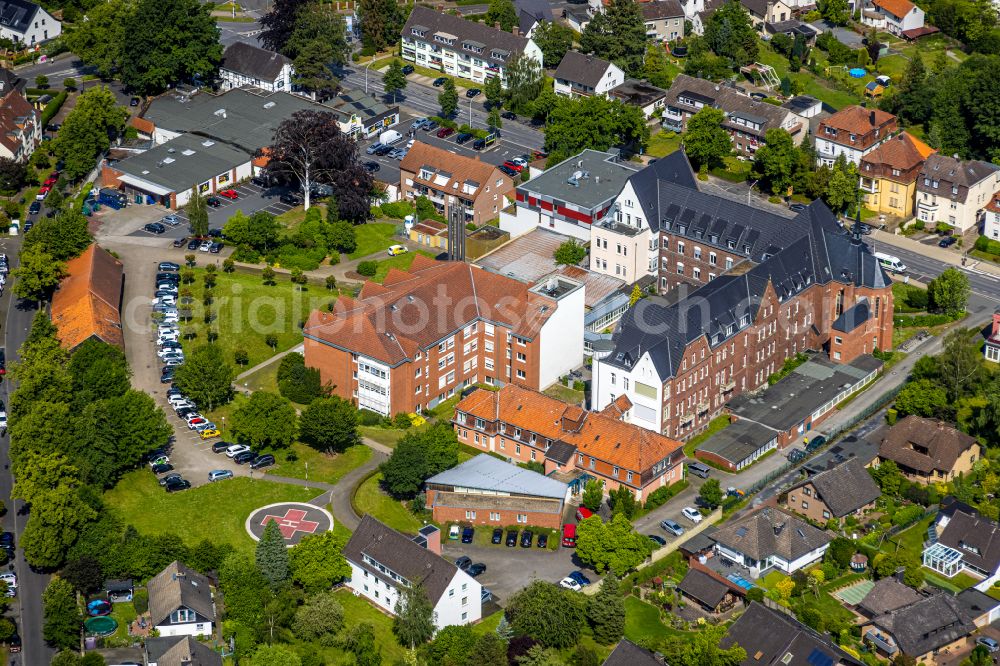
956 193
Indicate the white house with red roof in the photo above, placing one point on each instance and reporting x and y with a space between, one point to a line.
893 16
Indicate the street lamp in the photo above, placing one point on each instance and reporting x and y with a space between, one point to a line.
750 191
366 73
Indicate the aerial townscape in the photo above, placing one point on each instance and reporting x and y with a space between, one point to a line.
500 333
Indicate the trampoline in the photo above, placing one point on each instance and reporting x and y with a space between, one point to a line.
101 626
98 607
857 72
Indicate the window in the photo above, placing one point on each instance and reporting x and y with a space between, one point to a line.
805 504
729 263
680 268
494 515
521 374
614 472
712 259
826 515
465 601
522 518
451 593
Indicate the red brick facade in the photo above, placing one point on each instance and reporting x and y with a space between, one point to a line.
498 516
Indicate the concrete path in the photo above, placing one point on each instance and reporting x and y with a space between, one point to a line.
264 364
340 496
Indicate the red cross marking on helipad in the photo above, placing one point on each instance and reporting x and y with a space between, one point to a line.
292 522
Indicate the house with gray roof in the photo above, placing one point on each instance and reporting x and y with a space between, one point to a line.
887 595
920 630
248 65
771 538
181 602
966 542
772 638
627 653
746 119
383 560
642 95
847 489
463 48
531 13
664 20
709 591
27 23
580 75
955 192
179 651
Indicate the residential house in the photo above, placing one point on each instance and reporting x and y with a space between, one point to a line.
929 451
487 491
991 350
708 591
920 630
247 65
892 16
774 638
179 651
20 124
852 132
423 335
450 181
87 303
181 602
645 96
580 75
664 20
430 233
460 47
847 489
792 28
954 192
966 542
745 119
766 11
991 220
887 595
889 175
570 197
27 23
530 14
771 538
980 607
627 653
528 426
383 560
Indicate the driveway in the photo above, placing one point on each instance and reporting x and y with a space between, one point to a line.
843 35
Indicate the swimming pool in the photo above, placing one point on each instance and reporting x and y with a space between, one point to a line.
741 581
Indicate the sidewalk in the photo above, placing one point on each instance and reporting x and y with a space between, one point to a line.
934 252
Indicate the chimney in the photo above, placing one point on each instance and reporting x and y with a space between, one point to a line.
777 528
496 25
516 31
433 536
871 116
900 572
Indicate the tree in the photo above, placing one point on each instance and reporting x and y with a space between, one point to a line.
657 68
448 98
617 34
278 24
99 41
606 612
547 613
493 89
840 552
835 11
258 231
206 377
611 546
538 655
197 212
330 425
272 555
319 24
63 237
37 275
413 623
88 129
711 493
340 236
705 141
360 641
593 495
319 618
121 430
502 12
317 561
911 99
381 22
524 81
493 119
13 175
84 574
776 162
960 363
62 621
69 83
570 253
489 650
730 34
275 655
266 420
394 80
419 456
592 122
842 188
554 40
949 292
167 42
621 500
312 68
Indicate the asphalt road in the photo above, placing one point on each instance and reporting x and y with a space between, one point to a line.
924 269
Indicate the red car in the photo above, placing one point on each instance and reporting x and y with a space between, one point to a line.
43 190
51 181
229 194
445 132
54 175
511 165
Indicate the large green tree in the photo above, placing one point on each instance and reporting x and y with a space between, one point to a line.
320 618
317 561
61 616
197 212
87 131
100 40
612 546
593 122
330 425
360 642
923 398
911 98
381 22
120 431
502 12
394 80
949 292
418 456
960 364
843 187
312 68
524 81
37 275
657 68
63 237
448 98
319 23
547 613
206 377
606 612
593 495
702 649
711 493
266 419
272 555
705 141
730 33
554 40
259 231
776 162
617 34
413 623
278 24
275 655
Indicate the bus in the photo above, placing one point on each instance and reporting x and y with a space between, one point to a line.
890 262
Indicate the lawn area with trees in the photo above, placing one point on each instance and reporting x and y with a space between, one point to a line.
371 499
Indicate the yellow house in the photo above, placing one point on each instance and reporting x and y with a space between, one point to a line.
430 234
889 175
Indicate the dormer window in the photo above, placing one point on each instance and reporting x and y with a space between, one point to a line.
954 189
419 32
853 138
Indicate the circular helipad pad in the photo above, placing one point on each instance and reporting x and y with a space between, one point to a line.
294 519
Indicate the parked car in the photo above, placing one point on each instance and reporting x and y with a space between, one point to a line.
158 460
236 449
570 584
444 132
439 81
526 537
521 162
216 248
205 246
214 202
473 92
220 474
511 538
35 207
430 126
508 115
579 577
244 458
463 562
162 468
182 484
407 70
172 220
485 595
209 433
672 527
463 138
259 180
477 569
397 249
384 150
497 536
260 462
193 244
543 540
370 150
229 194
691 514
947 241
507 170
155 228
170 478
220 447
134 101
371 167
168 266
467 534
510 164
657 539
988 643
289 198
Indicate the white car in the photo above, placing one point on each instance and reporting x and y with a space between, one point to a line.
520 161
691 514
3 417
164 300
170 352
170 318
570 584
236 449
205 247
205 426
178 400
192 416
9 578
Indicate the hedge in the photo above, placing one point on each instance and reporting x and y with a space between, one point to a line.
52 108
926 320
984 244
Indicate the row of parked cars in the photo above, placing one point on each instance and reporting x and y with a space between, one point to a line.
241 454
4 270
167 318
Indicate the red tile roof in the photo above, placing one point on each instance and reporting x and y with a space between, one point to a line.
898 8
903 152
88 300
857 120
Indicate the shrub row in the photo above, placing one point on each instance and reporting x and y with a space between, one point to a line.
926 320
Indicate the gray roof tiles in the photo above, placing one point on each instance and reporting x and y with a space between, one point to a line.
180 651
432 22
661 9
888 595
926 625
771 532
852 317
704 588
179 586
182 162
586 70
17 15
627 653
846 488
738 441
725 98
954 176
976 538
486 473
772 638
250 60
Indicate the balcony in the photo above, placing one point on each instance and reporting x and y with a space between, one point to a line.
882 642
687 418
869 185
702 408
726 388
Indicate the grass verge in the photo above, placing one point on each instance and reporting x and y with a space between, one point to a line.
314 465
370 499
373 237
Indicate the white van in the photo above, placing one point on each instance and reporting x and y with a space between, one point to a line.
389 137
890 263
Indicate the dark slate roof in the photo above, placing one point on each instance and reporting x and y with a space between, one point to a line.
888 595
10 81
772 638
977 538
179 586
180 651
627 653
950 172
925 445
530 12
587 70
464 30
927 624
950 505
852 317
769 532
738 441
17 14
700 542
756 7
661 9
254 61
704 588
975 603
560 452
728 99
846 488
398 552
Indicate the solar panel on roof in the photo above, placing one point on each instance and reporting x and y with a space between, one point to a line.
819 658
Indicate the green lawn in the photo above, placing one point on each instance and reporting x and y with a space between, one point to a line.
293 218
643 624
215 511
370 499
663 143
313 465
955 584
560 391
400 261
264 379
911 539
246 311
373 237
384 436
